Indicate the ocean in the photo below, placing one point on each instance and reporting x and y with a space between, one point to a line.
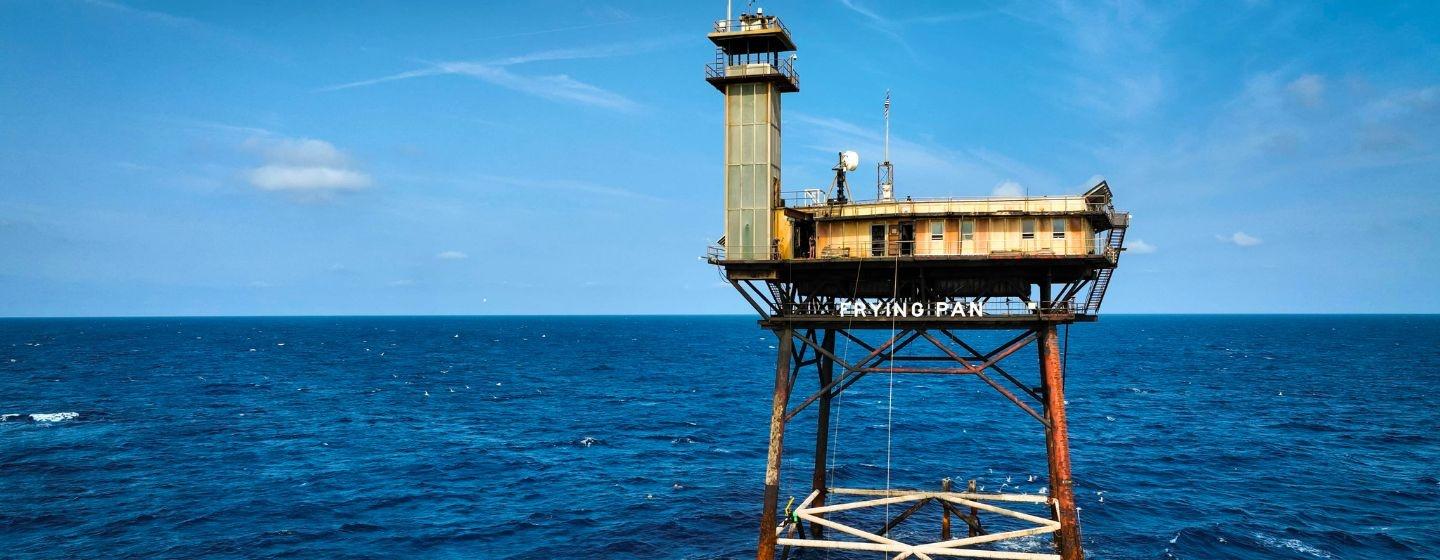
1194 437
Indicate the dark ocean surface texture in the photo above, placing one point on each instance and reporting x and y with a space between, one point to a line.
1194 437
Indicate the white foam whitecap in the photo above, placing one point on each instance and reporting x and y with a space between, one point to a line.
55 416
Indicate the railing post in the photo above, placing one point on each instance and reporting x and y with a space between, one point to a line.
974 530
945 519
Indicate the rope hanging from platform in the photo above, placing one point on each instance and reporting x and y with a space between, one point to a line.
1065 355
835 403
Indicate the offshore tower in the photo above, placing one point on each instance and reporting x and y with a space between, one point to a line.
818 266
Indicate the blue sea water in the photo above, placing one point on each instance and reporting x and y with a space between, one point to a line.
1196 437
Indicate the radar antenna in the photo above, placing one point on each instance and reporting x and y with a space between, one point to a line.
849 160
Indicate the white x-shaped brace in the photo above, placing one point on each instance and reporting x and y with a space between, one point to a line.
923 551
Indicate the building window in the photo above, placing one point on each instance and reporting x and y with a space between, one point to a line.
877 240
1057 228
1027 228
937 230
967 230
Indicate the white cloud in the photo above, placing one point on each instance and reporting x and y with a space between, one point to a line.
300 151
1139 247
1403 103
1008 188
1240 238
288 178
304 165
451 256
1308 89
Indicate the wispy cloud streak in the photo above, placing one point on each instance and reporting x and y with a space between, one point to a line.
566 185
556 87
1114 50
152 15
894 28
921 163
193 27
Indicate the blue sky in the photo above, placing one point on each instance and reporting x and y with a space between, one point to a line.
193 158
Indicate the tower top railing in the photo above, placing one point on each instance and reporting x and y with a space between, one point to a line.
750 22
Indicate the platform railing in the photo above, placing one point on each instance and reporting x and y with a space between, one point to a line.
762 67
1071 246
912 309
717 252
1042 245
996 205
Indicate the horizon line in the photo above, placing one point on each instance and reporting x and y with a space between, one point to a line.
524 315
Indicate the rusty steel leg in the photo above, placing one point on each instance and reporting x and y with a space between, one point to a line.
781 399
822 429
1057 444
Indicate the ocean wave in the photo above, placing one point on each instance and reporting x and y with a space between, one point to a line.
1292 544
40 417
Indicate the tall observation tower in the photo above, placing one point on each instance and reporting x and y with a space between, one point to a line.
906 281
752 70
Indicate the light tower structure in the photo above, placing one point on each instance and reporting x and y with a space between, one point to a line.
905 281
750 71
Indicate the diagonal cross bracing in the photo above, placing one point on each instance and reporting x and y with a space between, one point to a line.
852 371
951 547
870 364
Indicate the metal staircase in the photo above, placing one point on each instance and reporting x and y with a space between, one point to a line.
1113 247
780 300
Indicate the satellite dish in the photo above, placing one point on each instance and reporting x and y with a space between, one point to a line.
849 160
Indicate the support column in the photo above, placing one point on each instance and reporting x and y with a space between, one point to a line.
822 429
1057 443
777 438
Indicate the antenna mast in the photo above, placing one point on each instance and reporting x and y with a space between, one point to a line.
887 126
884 172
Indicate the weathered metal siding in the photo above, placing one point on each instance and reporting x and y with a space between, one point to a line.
752 167
990 235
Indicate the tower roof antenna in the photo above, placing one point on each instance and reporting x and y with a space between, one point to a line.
884 172
887 126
